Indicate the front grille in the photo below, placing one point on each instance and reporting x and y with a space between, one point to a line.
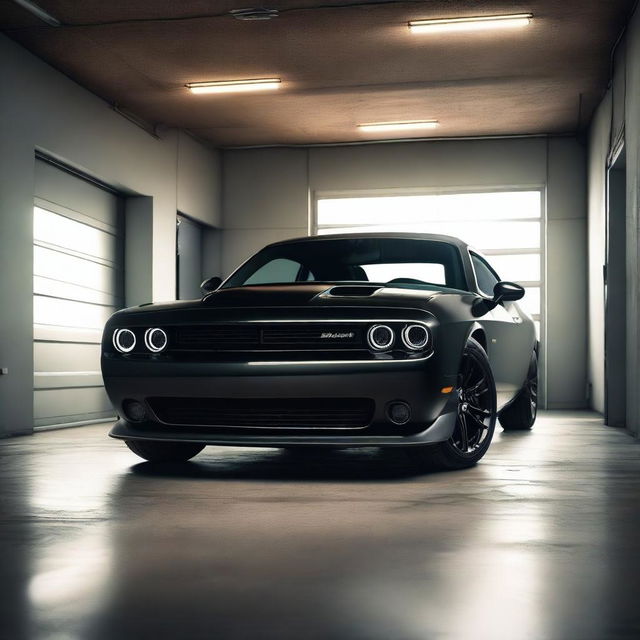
267 336
219 336
266 413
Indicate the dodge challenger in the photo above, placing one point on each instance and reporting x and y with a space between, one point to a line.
368 340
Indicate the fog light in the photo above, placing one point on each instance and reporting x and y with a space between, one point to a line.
399 412
134 411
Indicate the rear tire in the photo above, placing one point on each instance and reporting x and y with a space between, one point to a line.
521 413
157 451
476 417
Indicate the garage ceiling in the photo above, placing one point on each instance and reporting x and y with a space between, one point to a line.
341 64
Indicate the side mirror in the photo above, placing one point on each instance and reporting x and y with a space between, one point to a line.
507 291
211 284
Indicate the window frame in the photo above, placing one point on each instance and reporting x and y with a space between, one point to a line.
474 253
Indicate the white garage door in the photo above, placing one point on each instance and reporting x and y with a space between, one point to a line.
77 285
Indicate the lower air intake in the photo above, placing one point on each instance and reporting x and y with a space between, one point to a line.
266 413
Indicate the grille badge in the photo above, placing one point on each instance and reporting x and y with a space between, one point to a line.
328 335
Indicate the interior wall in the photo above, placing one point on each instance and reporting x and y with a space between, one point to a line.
41 109
267 195
632 151
598 151
620 107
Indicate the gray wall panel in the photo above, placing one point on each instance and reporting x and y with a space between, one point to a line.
566 327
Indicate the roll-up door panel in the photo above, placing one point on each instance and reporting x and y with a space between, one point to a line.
61 356
69 313
66 290
77 285
51 406
72 236
63 267
74 194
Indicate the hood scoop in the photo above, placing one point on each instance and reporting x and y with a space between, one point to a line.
352 291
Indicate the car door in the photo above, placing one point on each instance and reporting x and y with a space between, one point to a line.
509 340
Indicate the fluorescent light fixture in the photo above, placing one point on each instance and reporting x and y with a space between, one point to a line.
411 125
38 12
479 23
231 86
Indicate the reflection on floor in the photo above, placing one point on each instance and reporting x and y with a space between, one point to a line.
540 541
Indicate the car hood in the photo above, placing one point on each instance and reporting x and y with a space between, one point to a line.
309 301
299 295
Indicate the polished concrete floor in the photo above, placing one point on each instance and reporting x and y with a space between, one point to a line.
541 540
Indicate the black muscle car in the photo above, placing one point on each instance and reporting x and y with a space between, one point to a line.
386 340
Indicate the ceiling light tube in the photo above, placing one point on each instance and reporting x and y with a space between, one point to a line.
478 23
232 86
398 126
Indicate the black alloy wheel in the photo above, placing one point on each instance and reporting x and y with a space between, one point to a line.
476 405
475 418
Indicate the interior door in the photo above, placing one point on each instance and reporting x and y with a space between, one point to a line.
189 259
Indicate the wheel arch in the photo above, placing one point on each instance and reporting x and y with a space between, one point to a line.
478 334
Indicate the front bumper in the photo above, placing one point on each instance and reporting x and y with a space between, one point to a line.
418 383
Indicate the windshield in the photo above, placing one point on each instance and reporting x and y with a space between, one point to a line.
404 262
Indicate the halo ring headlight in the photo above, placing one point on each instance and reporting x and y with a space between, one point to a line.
380 337
155 339
415 337
124 340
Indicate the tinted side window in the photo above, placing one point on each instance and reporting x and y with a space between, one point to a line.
278 270
485 275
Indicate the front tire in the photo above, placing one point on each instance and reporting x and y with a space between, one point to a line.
157 451
476 417
521 413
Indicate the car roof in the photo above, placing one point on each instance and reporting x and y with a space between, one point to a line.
381 235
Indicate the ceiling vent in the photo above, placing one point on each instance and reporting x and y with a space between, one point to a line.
254 13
